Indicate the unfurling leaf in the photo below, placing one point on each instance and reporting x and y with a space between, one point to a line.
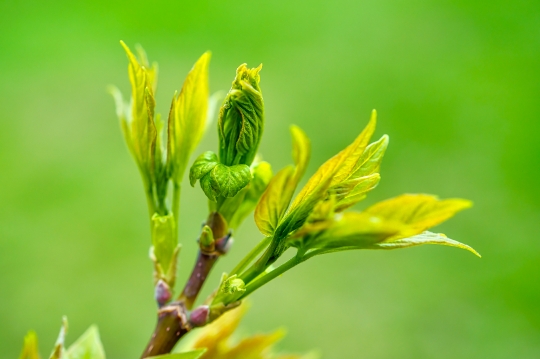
58 351
165 245
396 223
417 211
241 119
273 204
333 172
202 165
30 347
188 117
137 122
88 346
218 180
277 197
236 209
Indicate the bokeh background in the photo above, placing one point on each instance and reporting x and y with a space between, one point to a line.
456 85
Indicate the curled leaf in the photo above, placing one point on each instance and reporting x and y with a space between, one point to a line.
202 165
241 118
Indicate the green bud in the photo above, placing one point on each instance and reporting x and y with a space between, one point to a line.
241 118
206 241
164 242
218 180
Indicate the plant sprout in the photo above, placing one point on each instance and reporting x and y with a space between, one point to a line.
310 221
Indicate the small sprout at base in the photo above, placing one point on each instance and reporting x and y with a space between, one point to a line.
199 316
206 240
162 293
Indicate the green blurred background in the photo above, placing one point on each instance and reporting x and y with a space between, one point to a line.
455 83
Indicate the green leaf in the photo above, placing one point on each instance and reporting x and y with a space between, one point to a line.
277 197
202 165
351 230
188 117
364 177
194 354
227 181
241 118
331 173
164 241
417 211
88 346
58 351
356 192
249 196
139 122
424 238
396 223
30 347
273 204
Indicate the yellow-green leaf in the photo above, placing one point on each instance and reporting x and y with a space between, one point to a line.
424 238
354 151
164 240
277 197
331 173
88 346
30 347
247 201
142 130
241 118
417 211
355 190
58 351
272 204
189 116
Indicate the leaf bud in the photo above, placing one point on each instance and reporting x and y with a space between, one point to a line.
241 118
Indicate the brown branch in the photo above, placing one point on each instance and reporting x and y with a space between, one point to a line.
173 320
171 326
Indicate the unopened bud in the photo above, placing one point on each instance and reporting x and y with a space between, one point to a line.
206 241
162 293
199 316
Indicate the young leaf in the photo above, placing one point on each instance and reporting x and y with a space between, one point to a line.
225 181
202 165
241 118
189 116
331 173
164 241
249 196
273 204
395 223
141 130
30 347
277 197
58 351
88 346
352 230
424 238
418 211
360 187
